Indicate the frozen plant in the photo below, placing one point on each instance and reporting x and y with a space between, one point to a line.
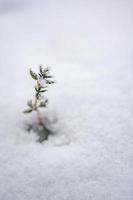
43 80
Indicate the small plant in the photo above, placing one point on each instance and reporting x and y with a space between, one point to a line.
43 80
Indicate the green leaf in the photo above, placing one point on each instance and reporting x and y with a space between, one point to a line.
38 95
28 111
43 91
33 75
46 70
50 82
37 89
44 103
48 76
41 70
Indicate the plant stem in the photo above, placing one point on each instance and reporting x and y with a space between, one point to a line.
39 117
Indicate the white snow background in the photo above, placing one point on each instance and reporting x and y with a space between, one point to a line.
89 46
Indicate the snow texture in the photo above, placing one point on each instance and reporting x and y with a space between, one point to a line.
89 46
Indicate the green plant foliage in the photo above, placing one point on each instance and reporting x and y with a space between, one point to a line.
33 75
43 80
28 111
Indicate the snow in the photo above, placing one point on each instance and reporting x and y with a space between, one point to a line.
89 46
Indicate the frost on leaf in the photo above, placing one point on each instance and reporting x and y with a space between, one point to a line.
43 80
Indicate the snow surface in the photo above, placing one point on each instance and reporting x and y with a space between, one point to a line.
89 45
